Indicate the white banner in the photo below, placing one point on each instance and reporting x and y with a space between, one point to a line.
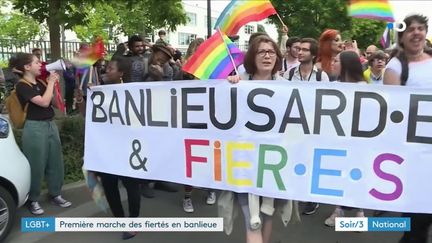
363 146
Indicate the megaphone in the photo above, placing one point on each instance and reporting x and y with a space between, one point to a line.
58 65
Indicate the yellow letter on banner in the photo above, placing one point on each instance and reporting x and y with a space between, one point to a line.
231 164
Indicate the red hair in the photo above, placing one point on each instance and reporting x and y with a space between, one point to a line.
325 51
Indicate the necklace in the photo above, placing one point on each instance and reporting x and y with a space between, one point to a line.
301 76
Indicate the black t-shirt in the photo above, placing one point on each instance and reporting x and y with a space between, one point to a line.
34 112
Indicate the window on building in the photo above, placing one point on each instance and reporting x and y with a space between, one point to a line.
249 29
185 38
192 19
213 21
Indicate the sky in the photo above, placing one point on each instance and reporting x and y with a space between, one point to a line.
401 8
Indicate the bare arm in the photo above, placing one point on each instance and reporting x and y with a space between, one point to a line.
284 38
391 77
45 99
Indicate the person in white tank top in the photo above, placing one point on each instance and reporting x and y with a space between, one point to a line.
412 66
413 51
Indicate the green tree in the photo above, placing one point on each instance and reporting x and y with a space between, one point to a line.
54 13
133 17
102 20
261 28
136 16
310 18
14 32
366 32
145 16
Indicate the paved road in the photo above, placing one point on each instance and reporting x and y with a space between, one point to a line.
310 230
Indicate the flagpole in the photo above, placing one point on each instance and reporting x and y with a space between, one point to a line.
229 53
391 39
280 19
83 78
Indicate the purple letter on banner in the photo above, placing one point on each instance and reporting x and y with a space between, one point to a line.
388 177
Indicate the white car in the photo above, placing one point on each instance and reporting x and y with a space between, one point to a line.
14 177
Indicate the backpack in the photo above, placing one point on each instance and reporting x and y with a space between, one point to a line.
292 70
405 68
17 113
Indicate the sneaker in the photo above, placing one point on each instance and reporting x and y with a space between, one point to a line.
360 214
35 208
147 191
60 201
211 198
187 205
128 235
377 213
310 208
330 221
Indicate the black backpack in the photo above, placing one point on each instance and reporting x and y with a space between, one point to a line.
292 70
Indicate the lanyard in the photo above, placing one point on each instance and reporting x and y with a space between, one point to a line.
301 77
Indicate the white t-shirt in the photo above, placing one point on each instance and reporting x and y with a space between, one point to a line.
288 65
419 75
313 76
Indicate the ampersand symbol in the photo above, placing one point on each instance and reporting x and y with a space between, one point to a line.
136 148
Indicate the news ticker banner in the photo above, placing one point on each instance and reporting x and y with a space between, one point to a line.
51 224
357 145
372 224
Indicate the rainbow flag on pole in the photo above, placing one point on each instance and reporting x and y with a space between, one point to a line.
214 58
91 55
371 9
240 12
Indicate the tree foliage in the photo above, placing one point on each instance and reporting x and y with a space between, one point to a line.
68 12
145 16
101 20
95 17
130 17
55 13
366 32
261 28
310 18
14 32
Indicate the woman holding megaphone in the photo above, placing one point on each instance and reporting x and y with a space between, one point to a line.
40 138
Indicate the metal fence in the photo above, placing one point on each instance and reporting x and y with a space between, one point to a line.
68 48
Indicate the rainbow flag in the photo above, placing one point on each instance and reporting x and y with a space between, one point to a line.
91 55
367 9
212 60
240 12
